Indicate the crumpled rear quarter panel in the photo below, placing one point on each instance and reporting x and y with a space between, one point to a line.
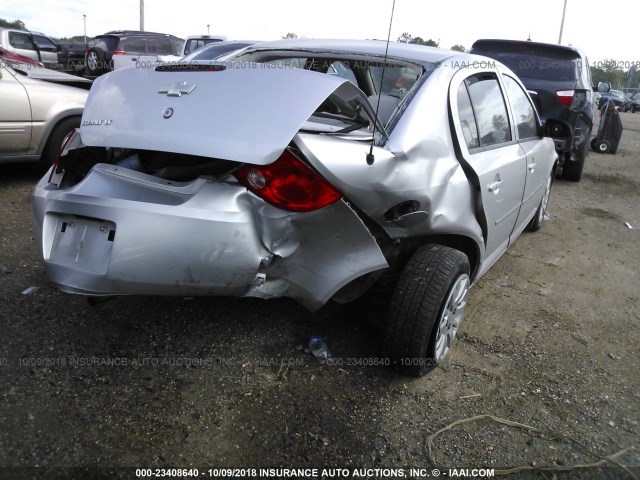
196 238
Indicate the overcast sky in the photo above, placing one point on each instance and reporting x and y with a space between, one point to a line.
449 21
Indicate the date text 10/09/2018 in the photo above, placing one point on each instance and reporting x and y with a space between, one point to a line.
314 473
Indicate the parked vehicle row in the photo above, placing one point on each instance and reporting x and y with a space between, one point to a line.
632 103
614 96
125 48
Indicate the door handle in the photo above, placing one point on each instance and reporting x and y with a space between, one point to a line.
532 166
495 185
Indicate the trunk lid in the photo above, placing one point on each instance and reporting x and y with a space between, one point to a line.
244 112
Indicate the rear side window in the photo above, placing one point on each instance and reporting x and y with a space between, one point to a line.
159 46
467 118
525 117
106 44
21 41
133 44
489 108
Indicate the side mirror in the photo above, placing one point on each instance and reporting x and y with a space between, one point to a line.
603 87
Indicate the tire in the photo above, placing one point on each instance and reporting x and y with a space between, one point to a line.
539 218
426 309
603 146
56 140
94 62
572 169
593 143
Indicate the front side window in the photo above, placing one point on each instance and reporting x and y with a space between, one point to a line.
489 108
45 44
525 117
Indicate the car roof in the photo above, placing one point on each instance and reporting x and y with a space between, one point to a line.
549 46
122 33
363 47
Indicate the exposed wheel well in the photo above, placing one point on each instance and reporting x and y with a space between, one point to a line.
464 244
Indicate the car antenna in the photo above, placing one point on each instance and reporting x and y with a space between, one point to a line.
370 157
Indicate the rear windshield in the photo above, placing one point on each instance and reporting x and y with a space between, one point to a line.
367 75
106 44
192 44
529 61
214 51
133 44
159 46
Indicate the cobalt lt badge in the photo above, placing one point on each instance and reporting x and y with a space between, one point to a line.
167 112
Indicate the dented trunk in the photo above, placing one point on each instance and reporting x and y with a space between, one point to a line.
246 113
135 207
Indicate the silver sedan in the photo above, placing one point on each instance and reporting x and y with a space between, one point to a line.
37 112
316 170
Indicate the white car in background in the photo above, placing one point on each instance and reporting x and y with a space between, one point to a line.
194 42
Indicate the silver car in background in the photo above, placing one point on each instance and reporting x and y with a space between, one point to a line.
315 170
37 111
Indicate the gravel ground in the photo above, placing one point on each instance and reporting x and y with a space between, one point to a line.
550 340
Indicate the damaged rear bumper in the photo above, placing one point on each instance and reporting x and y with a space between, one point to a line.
121 232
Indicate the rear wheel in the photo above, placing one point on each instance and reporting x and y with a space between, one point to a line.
541 213
426 309
574 165
56 140
95 62
602 146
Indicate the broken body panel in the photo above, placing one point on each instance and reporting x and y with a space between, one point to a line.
122 231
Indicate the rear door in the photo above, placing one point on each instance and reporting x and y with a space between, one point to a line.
527 129
15 116
493 160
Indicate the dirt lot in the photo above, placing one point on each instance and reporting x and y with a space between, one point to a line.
550 340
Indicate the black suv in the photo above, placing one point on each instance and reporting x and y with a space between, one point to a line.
558 79
99 58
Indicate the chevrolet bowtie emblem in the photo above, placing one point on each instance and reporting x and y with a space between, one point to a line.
178 89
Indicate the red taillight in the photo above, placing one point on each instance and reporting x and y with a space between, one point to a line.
565 97
118 52
289 184
65 143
